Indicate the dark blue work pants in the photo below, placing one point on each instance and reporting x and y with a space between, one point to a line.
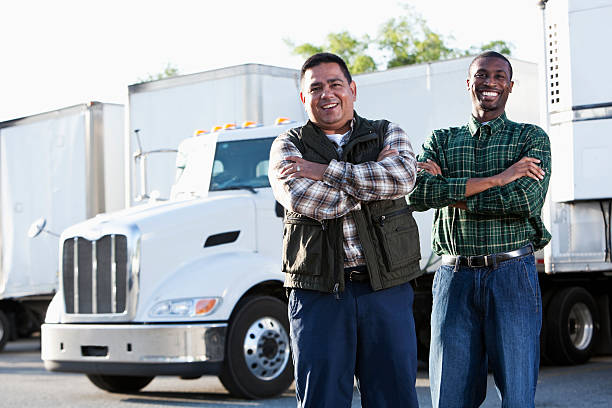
366 334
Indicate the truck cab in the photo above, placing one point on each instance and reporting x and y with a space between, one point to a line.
185 287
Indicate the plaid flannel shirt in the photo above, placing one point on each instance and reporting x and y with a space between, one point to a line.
344 186
499 219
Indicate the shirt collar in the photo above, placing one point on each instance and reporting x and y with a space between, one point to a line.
494 125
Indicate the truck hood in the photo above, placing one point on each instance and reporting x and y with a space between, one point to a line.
158 215
164 237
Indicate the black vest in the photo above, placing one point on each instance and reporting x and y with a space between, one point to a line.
313 256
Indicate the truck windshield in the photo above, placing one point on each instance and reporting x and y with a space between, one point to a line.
241 164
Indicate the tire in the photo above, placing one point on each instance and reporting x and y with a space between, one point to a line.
5 330
572 326
257 360
119 383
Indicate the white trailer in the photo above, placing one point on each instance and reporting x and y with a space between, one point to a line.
59 167
578 282
167 111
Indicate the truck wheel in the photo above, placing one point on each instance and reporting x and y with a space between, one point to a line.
5 330
119 383
572 326
257 355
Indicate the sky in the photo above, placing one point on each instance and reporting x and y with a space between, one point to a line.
61 53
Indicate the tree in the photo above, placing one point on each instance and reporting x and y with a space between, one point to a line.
351 49
404 40
168 72
500 46
408 40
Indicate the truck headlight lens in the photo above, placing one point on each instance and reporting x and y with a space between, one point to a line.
185 307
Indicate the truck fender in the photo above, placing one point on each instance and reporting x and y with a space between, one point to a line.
227 276
55 310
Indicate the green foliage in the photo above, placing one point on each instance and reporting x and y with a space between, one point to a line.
351 49
168 72
403 40
500 46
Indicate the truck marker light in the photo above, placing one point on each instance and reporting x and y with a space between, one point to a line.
282 121
205 306
199 132
229 126
249 124
216 129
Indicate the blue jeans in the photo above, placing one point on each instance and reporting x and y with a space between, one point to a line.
365 334
480 313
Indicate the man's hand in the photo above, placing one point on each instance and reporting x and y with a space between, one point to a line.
526 167
387 151
431 167
303 168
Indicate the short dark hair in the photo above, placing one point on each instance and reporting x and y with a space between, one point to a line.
490 54
323 57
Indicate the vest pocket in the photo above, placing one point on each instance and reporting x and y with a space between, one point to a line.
398 235
302 247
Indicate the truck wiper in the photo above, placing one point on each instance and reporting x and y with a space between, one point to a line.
239 187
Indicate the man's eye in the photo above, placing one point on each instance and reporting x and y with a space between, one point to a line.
479 75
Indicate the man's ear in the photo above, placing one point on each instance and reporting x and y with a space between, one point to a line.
511 85
353 87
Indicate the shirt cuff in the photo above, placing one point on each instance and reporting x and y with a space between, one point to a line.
456 188
334 174
472 203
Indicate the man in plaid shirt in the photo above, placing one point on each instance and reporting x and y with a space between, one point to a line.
350 246
487 181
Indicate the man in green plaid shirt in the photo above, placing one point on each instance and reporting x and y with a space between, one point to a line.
487 182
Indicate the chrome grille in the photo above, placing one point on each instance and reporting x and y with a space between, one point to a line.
95 275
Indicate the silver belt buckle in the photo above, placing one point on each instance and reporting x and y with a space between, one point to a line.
469 259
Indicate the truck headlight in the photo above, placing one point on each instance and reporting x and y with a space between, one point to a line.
185 307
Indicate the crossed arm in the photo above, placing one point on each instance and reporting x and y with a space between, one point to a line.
525 167
518 190
325 191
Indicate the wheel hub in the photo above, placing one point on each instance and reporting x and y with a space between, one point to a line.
266 348
580 326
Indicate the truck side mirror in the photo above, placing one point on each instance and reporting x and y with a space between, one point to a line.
38 226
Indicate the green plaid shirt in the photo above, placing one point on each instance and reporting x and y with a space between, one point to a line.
499 219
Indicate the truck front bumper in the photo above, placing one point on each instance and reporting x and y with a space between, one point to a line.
146 350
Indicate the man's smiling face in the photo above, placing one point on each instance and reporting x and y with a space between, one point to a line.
489 85
328 97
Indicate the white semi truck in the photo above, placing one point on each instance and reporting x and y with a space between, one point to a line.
59 168
191 286
187 287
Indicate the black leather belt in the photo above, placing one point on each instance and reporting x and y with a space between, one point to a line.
480 261
356 274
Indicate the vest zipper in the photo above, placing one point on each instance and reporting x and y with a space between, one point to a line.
382 218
